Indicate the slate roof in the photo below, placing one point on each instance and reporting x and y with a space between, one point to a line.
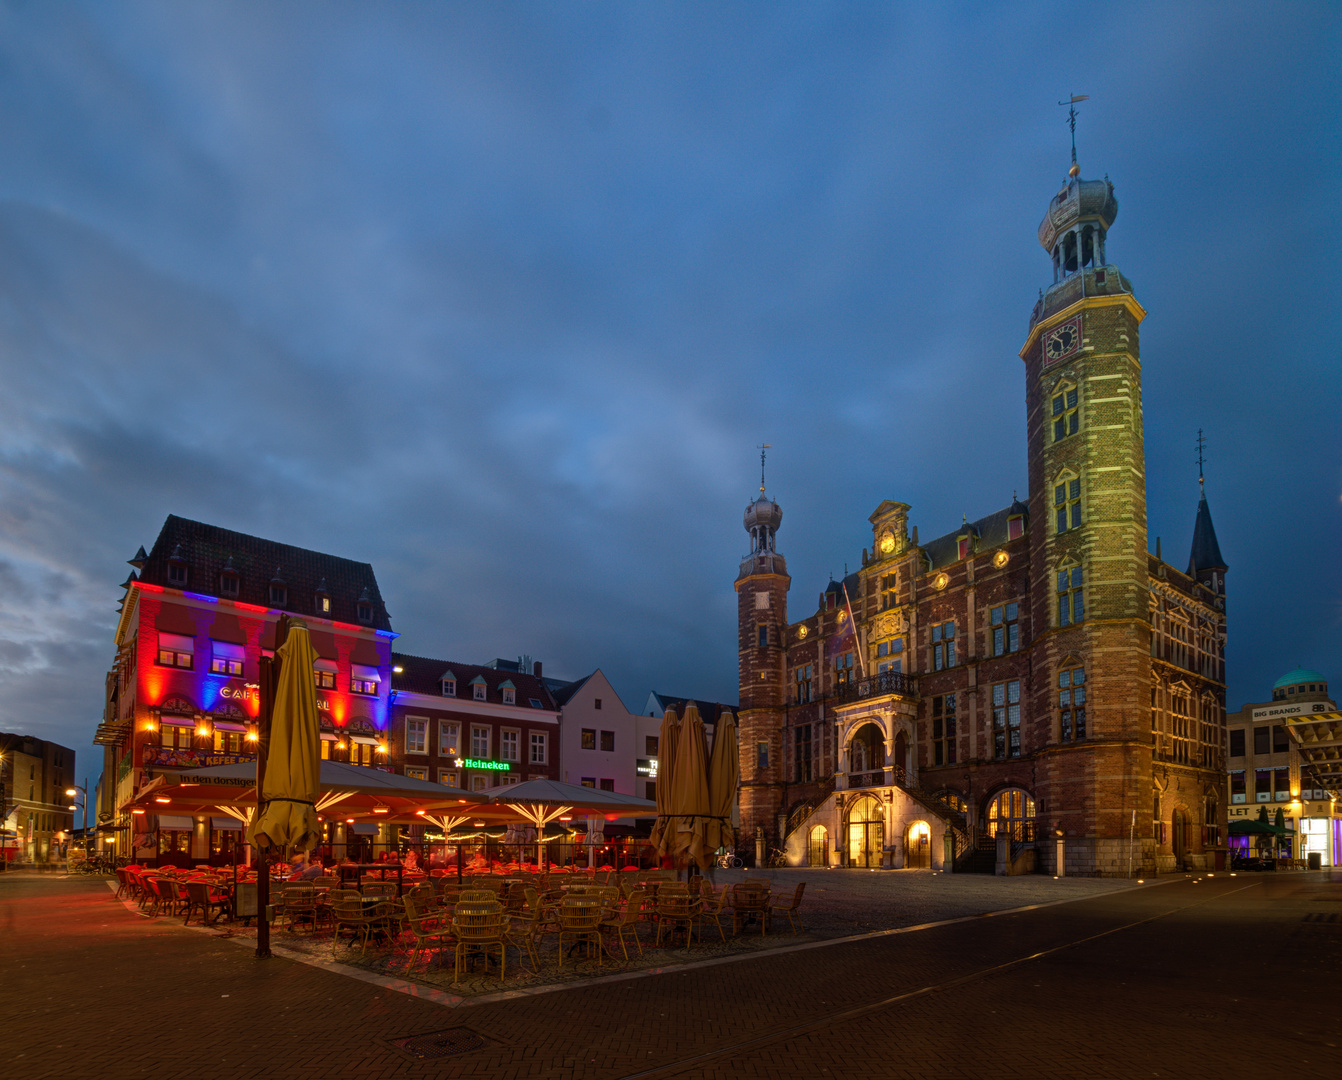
709 711
206 549
564 691
421 675
1206 552
990 531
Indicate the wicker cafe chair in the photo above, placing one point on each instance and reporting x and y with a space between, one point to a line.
479 926
171 898
201 896
711 909
580 922
676 911
378 888
750 900
625 921
428 928
532 924
788 905
300 905
352 913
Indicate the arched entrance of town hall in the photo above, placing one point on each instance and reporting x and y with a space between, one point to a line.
866 831
918 846
817 847
1180 831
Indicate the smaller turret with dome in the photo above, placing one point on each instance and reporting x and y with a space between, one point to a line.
762 518
1300 685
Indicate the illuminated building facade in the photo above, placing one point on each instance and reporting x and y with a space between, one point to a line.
1287 754
34 808
196 619
471 726
1032 677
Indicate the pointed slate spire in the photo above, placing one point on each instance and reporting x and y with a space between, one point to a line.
1206 553
140 559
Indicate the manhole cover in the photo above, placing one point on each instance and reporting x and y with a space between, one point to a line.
439 1044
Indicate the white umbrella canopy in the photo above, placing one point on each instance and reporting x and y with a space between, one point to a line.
289 790
543 801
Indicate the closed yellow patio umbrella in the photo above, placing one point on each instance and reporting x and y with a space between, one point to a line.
663 833
690 808
724 776
289 791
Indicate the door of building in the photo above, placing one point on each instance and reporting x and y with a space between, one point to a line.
918 846
866 832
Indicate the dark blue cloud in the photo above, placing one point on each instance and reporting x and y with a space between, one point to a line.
501 299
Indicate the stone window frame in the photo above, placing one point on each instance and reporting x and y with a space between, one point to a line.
1064 410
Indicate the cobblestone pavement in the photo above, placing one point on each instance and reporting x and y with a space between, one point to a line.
1191 977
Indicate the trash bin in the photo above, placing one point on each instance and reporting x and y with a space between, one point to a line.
1316 860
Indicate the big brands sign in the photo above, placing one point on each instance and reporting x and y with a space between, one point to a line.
1298 708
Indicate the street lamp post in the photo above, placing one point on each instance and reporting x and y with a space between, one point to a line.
75 792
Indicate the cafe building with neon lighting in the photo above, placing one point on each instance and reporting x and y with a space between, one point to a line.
198 614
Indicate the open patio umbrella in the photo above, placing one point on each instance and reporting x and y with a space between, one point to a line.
663 834
690 808
543 801
288 794
724 777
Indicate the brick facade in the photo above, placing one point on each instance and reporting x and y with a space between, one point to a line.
1004 677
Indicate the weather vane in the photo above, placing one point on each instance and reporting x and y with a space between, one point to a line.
1071 119
1201 445
763 449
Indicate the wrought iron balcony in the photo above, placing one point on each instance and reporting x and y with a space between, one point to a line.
886 682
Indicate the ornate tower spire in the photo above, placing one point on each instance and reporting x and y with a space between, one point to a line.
1205 562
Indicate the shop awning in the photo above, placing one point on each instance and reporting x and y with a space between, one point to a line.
325 665
365 672
226 824
175 821
365 740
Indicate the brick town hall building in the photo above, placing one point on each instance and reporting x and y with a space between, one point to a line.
1035 673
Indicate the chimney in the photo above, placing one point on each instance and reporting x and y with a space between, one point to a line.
536 669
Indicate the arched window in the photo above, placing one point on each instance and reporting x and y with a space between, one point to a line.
1071 703
817 846
866 751
1012 811
1071 595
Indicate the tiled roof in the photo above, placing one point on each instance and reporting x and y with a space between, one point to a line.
206 549
709 711
1206 552
564 691
421 675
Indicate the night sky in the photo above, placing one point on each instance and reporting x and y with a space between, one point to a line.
501 299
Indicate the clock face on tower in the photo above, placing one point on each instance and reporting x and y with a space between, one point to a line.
1062 341
887 544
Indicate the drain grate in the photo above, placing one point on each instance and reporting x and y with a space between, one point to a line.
1322 917
440 1044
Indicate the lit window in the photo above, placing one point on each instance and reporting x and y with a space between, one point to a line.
325 680
1005 629
415 772
363 686
540 745
226 659
1067 504
176 650
449 778
1072 704
1006 719
843 669
416 735
1071 599
1066 416
449 736
589 781
479 781
943 645
943 730
589 738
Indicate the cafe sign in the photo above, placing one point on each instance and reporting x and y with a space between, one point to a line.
646 767
476 763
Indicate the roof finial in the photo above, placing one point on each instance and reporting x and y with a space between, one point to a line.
762 449
1075 170
1201 445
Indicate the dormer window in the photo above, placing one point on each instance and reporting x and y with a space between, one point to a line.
177 573
478 688
279 591
1015 527
364 607
509 692
448 681
321 600
963 547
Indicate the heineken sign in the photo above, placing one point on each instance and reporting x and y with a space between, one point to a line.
475 763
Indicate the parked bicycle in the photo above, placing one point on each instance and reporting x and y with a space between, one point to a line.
777 857
728 861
